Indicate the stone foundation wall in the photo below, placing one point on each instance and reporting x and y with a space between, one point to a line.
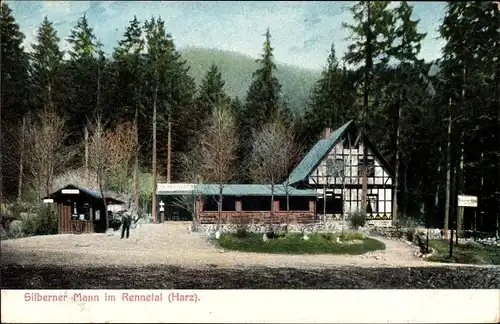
401 232
263 228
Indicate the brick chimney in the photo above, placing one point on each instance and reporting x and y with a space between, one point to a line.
327 132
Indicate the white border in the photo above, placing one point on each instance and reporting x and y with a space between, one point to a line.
263 306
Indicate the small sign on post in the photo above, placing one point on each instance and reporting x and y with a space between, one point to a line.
467 201
463 201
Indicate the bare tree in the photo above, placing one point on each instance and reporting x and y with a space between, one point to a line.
219 150
121 152
270 148
45 153
344 176
332 169
291 155
99 158
191 165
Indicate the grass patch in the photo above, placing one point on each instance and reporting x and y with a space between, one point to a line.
293 243
466 253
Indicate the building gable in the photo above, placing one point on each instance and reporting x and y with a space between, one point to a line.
336 147
342 165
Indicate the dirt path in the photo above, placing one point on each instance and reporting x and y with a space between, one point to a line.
172 244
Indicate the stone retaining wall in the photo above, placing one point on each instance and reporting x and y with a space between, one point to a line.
389 232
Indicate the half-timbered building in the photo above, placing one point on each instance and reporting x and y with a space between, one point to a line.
334 168
327 183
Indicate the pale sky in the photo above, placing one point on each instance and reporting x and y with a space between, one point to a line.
302 32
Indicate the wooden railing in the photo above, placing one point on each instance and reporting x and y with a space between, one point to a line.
228 217
79 227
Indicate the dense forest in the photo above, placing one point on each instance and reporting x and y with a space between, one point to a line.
440 130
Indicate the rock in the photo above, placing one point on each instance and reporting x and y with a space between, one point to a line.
305 237
110 232
264 237
217 235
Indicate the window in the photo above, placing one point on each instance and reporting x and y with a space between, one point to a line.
372 204
335 167
333 205
340 167
228 203
81 211
370 166
330 167
296 203
256 203
210 203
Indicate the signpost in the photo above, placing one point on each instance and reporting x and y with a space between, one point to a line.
463 201
467 201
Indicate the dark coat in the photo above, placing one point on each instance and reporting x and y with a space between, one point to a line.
126 220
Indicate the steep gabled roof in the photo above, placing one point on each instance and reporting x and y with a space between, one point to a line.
315 155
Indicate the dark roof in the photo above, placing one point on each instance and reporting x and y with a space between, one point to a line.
94 193
242 190
319 151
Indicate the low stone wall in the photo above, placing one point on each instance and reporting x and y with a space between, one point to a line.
263 228
402 232
389 232
489 241
330 225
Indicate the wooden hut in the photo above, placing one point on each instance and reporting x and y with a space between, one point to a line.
80 210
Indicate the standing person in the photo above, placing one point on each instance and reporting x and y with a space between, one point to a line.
126 221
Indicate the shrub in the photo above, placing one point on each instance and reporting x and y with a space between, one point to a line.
48 221
16 229
351 236
328 236
43 222
410 233
16 209
241 226
357 220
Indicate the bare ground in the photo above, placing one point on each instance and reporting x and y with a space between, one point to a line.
168 256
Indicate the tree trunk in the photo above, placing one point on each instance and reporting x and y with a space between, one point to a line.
219 208
272 206
99 91
104 202
436 196
155 176
169 150
1 164
364 189
460 187
453 198
405 187
21 161
396 165
324 204
86 162
287 209
136 163
368 67
448 176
